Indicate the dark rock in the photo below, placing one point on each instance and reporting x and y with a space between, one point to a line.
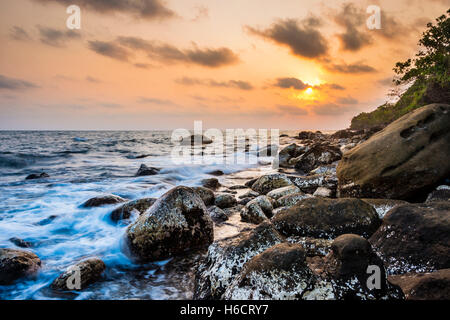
309 135
34 176
146 171
225 200
269 182
291 151
313 247
346 134
249 183
290 200
20 242
309 184
216 173
47 221
327 218
415 237
126 211
403 161
211 183
250 194
317 155
176 222
279 273
102 201
257 210
281 192
238 187
226 258
217 215
442 193
424 286
206 194
90 270
17 264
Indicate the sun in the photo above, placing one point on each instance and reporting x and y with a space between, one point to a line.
309 91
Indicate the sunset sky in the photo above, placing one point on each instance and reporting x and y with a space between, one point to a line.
154 64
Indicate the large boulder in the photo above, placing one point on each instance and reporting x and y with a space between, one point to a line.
270 182
279 273
89 271
126 210
16 264
176 222
327 218
424 286
317 155
287 153
404 160
257 210
226 258
415 238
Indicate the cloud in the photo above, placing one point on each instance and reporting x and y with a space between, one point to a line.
145 9
55 37
292 110
293 83
202 12
142 65
93 80
330 109
238 84
347 100
109 49
332 86
391 28
352 19
353 68
386 82
157 101
19 34
302 38
8 83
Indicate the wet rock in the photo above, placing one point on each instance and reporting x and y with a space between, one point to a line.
244 201
217 215
206 194
269 182
47 221
176 222
356 272
224 200
403 161
278 273
442 193
20 242
327 218
238 187
250 182
281 192
317 155
211 183
226 258
309 135
309 184
323 192
291 151
216 173
90 270
313 247
290 200
136 206
415 238
382 206
257 210
424 286
34 176
146 171
17 264
102 201
346 133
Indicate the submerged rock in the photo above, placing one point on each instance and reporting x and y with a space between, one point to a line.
102 201
415 237
424 286
89 271
327 218
226 258
20 242
176 222
17 264
126 211
270 182
257 210
35 176
279 273
146 171
402 161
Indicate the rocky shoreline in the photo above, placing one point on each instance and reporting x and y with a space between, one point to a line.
351 215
